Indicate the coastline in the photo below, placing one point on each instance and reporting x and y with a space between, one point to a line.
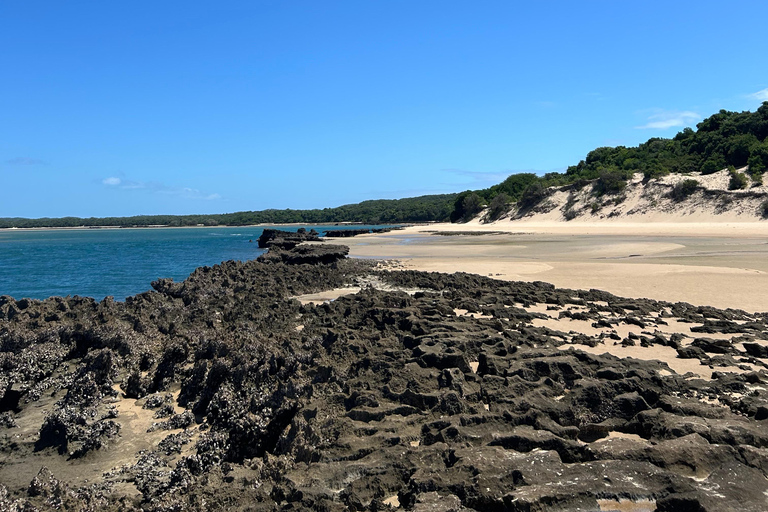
400 367
166 226
717 264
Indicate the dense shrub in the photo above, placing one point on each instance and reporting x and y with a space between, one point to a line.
764 209
533 195
683 189
654 171
471 205
712 165
498 207
513 186
738 180
757 162
467 205
610 182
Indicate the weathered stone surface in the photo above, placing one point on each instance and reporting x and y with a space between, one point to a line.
286 239
371 401
306 254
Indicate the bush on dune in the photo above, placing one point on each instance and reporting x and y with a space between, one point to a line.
683 189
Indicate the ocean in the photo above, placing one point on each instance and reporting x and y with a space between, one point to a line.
117 262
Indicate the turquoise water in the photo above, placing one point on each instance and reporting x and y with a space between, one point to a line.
117 262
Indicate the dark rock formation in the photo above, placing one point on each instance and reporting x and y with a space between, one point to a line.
306 254
371 400
286 239
345 233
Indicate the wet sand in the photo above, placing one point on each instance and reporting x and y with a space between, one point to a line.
721 265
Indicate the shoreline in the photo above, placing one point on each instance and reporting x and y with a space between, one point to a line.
165 226
722 265
399 367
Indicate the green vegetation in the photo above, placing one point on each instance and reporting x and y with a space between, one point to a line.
683 189
382 211
498 207
738 180
726 139
764 209
467 205
611 182
533 195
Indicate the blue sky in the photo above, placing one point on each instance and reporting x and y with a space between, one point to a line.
169 107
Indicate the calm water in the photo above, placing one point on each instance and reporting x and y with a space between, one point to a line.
118 262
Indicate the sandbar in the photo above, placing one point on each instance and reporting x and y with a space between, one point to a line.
721 264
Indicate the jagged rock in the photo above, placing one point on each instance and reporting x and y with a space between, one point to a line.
286 239
345 233
714 346
756 350
691 352
306 254
370 398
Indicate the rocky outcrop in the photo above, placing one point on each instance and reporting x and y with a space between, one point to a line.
373 401
286 239
310 254
346 233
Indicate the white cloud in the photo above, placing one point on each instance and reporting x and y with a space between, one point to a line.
670 119
159 188
760 95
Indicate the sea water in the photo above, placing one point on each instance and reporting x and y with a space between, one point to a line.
118 262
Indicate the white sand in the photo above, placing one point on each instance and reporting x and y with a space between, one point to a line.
723 264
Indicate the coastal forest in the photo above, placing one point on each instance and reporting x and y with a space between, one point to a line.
380 211
724 140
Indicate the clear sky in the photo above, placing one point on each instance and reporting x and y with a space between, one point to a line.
169 107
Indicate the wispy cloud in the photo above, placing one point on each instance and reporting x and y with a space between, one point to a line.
669 119
158 188
23 160
759 95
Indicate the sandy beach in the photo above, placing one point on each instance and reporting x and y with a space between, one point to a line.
722 264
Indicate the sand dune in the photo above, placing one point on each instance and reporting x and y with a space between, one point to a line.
700 255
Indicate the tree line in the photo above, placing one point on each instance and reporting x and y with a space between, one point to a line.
382 211
725 139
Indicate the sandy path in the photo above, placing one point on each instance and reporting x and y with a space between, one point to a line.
723 265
